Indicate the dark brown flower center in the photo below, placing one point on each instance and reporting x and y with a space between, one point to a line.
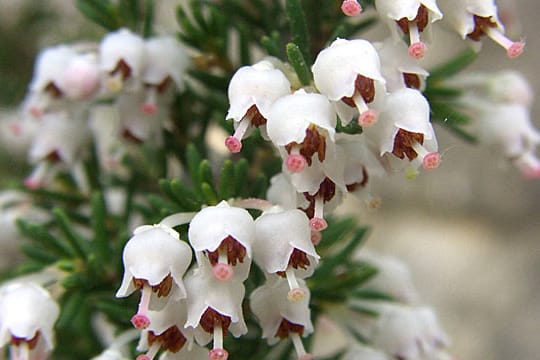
480 26
298 259
256 118
162 289
363 86
171 339
211 318
363 183
123 68
327 190
404 142
412 81
286 327
17 341
235 251
421 20
313 143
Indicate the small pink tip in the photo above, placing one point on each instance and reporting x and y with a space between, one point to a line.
306 356
36 112
531 173
431 161
318 224
368 117
223 272
149 108
351 7
143 357
417 50
296 295
515 50
295 162
16 129
233 144
218 354
140 321
31 184
316 237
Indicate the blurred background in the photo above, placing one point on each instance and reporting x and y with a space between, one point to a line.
469 231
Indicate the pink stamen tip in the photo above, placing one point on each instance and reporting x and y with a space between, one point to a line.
295 162
531 173
36 112
218 354
368 117
296 295
306 357
149 108
417 50
316 237
351 7
515 50
143 357
140 321
233 144
318 224
223 272
31 184
16 129
431 161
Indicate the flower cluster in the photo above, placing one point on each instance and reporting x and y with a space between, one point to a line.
179 306
116 93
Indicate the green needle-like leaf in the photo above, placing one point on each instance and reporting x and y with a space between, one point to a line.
226 180
299 29
99 213
299 64
452 67
77 242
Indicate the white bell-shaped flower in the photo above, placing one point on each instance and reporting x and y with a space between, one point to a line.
214 308
412 17
405 130
81 77
138 126
224 235
166 331
252 91
166 64
59 143
280 318
283 245
122 57
474 18
393 276
407 332
349 74
303 123
27 317
508 127
399 69
155 260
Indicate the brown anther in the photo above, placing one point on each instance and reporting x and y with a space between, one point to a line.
128 135
235 251
53 156
164 85
171 339
327 190
123 68
256 118
286 327
212 318
313 143
363 86
480 25
53 90
403 143
298 259
421 20
412 81
363 183
162 289
16 341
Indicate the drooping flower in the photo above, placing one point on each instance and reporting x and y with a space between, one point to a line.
280 318
474 18
349 74
412 17
214 308
302 123
283 246
27 317
252 91
399 69
155 260
405 130
166 63
122 59
223 234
